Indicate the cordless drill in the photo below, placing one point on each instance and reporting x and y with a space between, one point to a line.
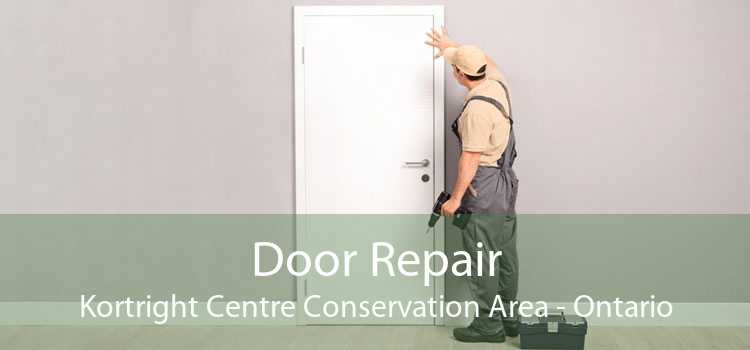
460 218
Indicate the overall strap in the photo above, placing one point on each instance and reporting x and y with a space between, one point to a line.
507 96
510 153
508 115
492 101
495 103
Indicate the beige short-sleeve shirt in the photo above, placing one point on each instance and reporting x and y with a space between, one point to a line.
481 125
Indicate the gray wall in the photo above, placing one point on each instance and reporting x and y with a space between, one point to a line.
621 105
187 105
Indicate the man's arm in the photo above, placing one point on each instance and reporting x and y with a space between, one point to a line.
491 65
468 163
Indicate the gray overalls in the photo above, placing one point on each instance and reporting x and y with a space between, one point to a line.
493 223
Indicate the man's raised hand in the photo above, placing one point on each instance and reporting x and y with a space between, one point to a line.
439 39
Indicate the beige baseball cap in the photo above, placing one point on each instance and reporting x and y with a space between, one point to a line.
469 59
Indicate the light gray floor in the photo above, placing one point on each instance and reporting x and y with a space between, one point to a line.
339 337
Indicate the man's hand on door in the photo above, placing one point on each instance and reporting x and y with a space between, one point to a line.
439 39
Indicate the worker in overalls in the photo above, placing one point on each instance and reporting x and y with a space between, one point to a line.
486 185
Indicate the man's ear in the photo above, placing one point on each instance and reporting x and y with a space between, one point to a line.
461 75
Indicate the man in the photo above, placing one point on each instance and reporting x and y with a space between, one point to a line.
486 185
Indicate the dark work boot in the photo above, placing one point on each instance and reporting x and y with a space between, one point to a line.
511 327
473 334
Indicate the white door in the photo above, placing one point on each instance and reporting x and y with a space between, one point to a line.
369 146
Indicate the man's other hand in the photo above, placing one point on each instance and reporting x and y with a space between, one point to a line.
439 39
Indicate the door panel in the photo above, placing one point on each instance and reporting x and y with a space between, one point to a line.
369 107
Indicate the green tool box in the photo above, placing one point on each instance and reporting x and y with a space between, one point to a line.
556 331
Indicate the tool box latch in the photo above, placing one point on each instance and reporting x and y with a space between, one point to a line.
552 327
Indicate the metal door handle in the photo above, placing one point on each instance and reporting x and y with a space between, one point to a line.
423 164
